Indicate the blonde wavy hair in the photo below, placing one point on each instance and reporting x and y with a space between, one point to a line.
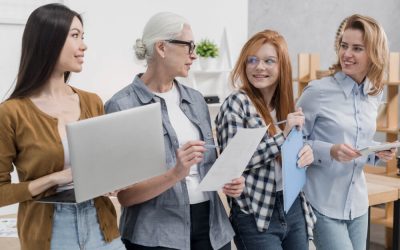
376 45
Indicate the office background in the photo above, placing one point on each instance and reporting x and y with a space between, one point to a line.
111 27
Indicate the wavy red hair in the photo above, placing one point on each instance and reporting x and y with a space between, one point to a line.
282 99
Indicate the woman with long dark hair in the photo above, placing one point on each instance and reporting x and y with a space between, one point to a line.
33 138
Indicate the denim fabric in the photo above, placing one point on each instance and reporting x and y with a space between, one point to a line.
199 231
285 231
75 226
333 234
165 219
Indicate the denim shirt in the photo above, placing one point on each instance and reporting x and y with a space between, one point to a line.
165 219
338 110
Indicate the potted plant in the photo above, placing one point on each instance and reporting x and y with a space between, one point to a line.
208 53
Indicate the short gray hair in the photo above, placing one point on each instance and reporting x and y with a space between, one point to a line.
161 26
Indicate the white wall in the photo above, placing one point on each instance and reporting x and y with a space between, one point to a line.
111 27
310 25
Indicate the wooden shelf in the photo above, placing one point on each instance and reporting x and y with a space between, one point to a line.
378 216
388 130
395 83
374 169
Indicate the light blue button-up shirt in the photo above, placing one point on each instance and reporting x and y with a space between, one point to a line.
338 110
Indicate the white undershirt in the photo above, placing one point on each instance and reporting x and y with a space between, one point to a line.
67 165
185 131
278 167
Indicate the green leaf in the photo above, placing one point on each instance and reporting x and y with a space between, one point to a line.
207 48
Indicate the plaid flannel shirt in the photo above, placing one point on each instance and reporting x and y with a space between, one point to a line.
258 197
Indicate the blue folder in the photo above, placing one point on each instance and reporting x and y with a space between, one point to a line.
293 177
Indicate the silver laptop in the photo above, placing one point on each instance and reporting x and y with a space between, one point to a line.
113 151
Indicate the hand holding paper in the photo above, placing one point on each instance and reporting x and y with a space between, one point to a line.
377 148
233 160
234 188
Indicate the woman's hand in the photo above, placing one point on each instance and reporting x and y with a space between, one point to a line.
234 188
295 119
306 156
62 177
387 155
43 183
188 155
344 152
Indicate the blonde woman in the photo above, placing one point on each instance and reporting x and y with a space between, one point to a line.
340 113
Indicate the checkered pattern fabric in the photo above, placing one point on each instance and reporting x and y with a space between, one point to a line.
258 197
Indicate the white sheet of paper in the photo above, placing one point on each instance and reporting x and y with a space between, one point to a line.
380 147
233 160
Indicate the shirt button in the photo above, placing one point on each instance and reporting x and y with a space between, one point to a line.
319 161
353 182
359 129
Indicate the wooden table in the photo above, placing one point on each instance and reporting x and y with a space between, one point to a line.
8 243
384 189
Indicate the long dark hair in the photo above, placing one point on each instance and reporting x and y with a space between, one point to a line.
44 36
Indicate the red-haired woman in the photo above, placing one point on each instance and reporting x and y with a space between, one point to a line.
263 76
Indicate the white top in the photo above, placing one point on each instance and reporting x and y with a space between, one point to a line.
185 131
278 167
67 165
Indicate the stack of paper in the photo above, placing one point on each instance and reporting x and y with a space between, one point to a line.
381 147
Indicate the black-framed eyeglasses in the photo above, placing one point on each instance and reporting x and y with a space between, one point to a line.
190 44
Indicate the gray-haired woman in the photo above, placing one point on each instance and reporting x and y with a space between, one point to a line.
168 211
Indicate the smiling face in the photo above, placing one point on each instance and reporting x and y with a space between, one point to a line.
177 57
262 68
353 56
72 53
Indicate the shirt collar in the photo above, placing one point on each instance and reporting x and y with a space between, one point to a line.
348 84
146 96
